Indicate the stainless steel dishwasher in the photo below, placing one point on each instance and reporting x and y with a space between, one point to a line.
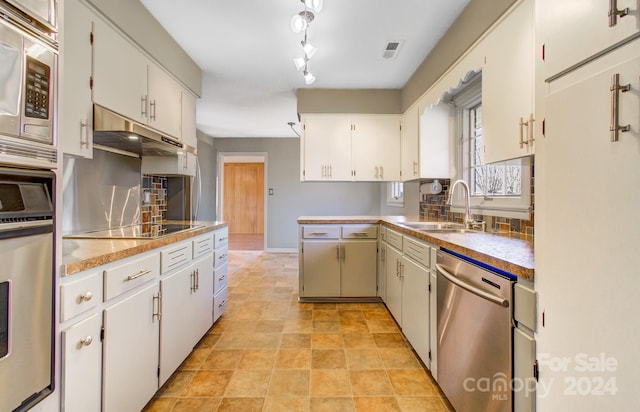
474 334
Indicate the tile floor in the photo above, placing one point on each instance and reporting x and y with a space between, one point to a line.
269 352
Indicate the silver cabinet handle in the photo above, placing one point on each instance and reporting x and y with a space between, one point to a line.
221 278
615 89
193 281
614 13
521 125
344 253
338 252
221 304
137 275
143 106
157 297
86 297
222 256
401 271
197 279
397 268
470 288
152 109
318 233
86 341
360 234
84 131
530 130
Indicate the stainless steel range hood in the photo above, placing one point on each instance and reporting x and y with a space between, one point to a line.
119 134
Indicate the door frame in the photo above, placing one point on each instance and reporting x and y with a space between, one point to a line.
241 157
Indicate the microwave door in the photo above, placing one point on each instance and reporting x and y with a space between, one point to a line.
38 92
10 80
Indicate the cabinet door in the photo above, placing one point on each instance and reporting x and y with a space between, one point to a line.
320 269
358 269
524 354
188 108
394 283
76 109
203 318
365 148
178 311
507 86
165 108
382 269
388 135
315 145
573 33
119 74
131 335
82 365
415 307
433 325
409 147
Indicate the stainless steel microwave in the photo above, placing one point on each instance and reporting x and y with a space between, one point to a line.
44 12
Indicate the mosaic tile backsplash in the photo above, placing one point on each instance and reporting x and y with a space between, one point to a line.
153 204
434 207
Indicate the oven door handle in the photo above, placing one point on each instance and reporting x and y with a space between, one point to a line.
22 231
470 288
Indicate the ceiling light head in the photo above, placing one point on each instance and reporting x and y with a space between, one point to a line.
315 5
309 49
300 22
309 78
300 62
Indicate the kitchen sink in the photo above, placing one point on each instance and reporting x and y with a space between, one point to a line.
437 227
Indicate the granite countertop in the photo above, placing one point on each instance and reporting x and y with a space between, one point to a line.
83 254
504 251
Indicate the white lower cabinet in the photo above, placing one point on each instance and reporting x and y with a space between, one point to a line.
220 273
394 283
130 350
82 365
338 261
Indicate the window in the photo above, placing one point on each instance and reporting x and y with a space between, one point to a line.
395 194
497 189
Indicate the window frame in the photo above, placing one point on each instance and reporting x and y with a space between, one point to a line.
395 194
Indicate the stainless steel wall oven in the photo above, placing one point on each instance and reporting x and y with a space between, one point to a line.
26 287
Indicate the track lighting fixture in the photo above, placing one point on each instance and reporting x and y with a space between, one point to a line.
300 24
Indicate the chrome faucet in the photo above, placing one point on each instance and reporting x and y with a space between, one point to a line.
469 222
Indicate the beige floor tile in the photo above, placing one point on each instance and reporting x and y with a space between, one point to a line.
324 306
222 359
411 382
325 315
378 404
270 326
330 382
353 326
298 326
264 340
248 383
363 359
332 405
286 404
258 359
293 359
327 341
359 341
399 358
208 383
389 340
328 359
230 340
195 359
196 405
350 314
208 341
289 382
419 404
177 383
326 326
370 383
300 314
382 326
164 404
241 405
295 340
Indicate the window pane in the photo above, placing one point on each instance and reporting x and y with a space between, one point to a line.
513 180
477 181
495 180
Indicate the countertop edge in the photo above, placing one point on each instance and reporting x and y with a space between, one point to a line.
131 247
525 272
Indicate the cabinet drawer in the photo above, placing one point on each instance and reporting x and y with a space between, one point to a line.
202 246
220 277
418 251
220 257
176 256
80 295
127 276
320 232
394 239
524 306
360 232
220 301
221 238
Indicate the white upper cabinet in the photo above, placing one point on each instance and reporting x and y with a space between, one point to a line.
507 86
76 115
409 146
343 147
165 96
575 31
189 119
120 74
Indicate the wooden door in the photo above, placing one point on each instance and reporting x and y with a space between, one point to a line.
244 197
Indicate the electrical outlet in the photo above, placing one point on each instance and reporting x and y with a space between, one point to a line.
270 192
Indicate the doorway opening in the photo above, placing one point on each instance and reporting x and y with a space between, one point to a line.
242 204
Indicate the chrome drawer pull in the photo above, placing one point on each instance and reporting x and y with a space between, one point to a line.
158 297
615 90
86 341
318 233
224 302
86 297
614 13
137 275
221 278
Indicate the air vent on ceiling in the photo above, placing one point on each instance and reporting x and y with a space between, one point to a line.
392 48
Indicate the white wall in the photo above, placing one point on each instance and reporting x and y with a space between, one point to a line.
291 197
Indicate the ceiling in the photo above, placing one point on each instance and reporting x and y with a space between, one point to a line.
246 49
